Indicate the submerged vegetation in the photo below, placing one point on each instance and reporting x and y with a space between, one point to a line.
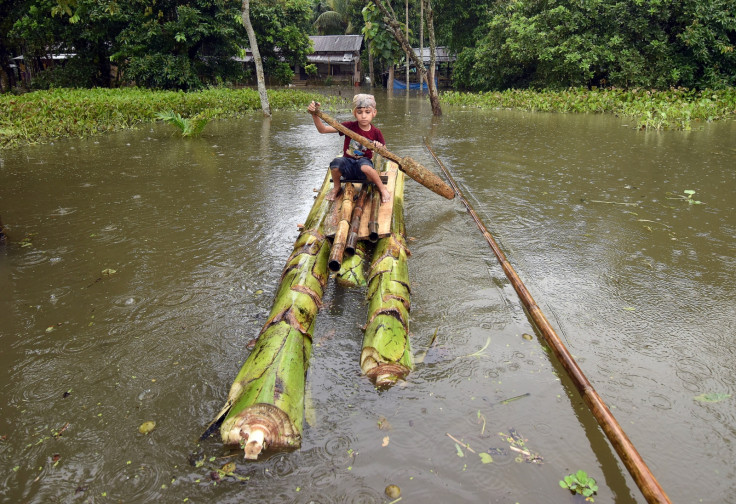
675 109
42 116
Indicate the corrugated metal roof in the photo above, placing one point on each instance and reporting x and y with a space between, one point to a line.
442 54
337 43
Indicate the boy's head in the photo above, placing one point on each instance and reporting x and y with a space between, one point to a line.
364 101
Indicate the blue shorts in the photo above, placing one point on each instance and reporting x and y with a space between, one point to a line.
350 167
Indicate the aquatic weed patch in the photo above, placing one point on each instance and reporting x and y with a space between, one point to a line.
675 109
42 116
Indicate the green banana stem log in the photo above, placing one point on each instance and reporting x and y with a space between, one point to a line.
386 356
352 270
265 406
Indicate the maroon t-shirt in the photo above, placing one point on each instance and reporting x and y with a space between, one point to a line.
354 147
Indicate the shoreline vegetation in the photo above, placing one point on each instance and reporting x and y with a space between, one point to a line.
672 109
43 116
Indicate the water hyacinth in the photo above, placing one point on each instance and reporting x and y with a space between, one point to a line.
674 109
42 116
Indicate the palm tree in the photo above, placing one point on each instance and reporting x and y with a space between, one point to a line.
336 20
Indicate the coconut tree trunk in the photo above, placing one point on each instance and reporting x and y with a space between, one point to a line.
265 106
265 406
386 356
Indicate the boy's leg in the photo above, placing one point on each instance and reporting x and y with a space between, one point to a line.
372 175
336 187
336 171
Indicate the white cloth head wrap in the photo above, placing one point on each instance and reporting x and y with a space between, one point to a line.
363 100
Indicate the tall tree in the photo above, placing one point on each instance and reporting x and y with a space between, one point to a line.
265 106
383 47
395 28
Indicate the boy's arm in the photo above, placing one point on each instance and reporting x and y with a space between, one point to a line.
321 127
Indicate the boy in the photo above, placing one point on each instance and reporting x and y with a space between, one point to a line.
356 162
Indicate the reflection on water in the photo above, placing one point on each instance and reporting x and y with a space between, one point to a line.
637 282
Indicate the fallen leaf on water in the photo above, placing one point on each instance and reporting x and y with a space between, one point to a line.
392 491
485 457
712 397
383 424
147 427
385 441
459 450
229 468
108 271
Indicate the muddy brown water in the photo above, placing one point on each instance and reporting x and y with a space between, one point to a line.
638 283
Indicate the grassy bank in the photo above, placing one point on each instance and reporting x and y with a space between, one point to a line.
676 109
42 116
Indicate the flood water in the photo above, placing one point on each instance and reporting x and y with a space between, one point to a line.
140 264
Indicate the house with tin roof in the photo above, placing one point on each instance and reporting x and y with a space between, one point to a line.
337 58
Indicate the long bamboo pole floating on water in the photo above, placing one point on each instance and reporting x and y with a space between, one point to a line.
406 164
636 466
265 405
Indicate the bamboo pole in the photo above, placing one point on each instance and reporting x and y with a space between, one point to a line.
343 227
373 221
636 466
265 405
386 355
352 239
406 164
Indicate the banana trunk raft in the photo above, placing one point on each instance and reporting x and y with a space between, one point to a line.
265 405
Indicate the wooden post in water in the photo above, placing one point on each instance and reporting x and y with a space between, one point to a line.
636 466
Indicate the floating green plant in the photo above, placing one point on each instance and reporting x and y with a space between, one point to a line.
189 127
580 483
688 198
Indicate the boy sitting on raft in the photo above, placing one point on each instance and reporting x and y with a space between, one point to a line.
356 162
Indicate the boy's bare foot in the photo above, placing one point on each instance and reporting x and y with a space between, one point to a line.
334 192
385 196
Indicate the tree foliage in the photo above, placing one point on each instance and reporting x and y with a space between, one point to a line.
561 43
166 44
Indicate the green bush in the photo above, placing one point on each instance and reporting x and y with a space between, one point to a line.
282 74
77 72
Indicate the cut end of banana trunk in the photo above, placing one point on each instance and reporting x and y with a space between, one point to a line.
259 427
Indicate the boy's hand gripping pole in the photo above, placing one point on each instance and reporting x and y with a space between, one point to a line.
406 164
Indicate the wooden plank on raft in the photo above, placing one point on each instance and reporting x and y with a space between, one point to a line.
384 213
385 210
